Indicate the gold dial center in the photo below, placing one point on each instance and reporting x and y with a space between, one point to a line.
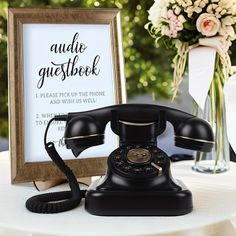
138 155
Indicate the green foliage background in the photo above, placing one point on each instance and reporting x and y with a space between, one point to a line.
148 70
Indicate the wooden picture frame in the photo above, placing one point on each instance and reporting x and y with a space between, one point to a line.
22 48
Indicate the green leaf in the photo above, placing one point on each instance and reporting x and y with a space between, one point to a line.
189 26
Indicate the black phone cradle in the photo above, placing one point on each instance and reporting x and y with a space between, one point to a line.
146 191
138 203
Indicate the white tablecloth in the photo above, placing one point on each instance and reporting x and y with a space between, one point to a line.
214 211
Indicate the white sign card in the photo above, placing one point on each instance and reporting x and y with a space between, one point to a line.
60 61
67 68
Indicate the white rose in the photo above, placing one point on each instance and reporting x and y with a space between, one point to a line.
227 30
208 24
164 13
154 14
226 3
230 31
156 10
228 20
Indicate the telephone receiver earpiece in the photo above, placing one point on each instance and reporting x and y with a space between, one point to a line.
82 132
195 134
136 123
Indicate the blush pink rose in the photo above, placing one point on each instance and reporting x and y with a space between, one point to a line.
208 24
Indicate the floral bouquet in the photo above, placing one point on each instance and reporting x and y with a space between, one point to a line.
183 25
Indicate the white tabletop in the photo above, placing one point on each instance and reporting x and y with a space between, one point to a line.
214 211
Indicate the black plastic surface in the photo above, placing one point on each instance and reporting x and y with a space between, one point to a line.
193 144
138 203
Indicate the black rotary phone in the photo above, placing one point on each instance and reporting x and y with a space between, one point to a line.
138 180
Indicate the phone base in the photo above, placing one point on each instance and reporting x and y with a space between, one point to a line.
138 203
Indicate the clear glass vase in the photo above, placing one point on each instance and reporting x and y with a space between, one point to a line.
216 161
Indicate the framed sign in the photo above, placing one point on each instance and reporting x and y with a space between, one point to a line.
60 61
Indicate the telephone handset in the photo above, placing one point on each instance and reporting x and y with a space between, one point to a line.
138 180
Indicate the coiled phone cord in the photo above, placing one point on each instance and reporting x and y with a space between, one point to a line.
58 201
